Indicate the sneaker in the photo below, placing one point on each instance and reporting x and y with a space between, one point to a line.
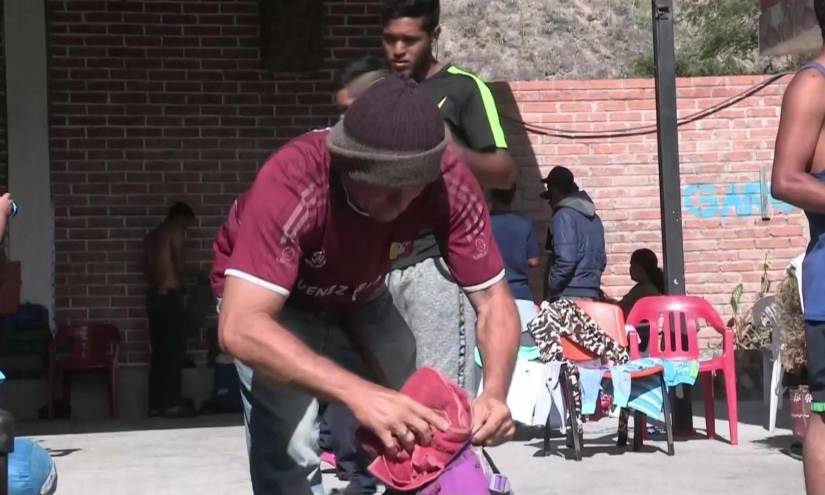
795 451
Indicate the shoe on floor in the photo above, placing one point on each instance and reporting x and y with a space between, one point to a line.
795 451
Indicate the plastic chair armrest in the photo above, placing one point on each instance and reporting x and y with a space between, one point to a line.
727 341
633 341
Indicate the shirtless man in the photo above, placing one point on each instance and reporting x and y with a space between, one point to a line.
163 261
799 179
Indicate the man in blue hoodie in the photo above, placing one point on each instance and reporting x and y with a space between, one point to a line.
575 240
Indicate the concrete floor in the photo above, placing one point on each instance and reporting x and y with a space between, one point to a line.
207 456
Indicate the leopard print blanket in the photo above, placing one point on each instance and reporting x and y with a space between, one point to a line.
563 318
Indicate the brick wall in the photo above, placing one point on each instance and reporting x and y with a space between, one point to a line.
158 101
726 240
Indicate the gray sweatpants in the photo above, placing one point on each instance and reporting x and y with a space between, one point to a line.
441 318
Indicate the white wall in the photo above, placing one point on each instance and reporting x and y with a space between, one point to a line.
31 233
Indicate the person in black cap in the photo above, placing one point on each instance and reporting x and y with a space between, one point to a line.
305 311
575 240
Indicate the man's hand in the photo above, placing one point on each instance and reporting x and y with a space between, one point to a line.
5 205
492 421
497 331
398 421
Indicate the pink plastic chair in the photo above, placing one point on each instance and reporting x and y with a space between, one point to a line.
677 339
84 348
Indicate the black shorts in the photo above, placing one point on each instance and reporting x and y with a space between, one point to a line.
815 339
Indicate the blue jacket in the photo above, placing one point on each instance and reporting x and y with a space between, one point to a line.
577 237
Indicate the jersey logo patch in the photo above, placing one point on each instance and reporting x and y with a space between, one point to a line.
317 260
400 250
287 255
481 248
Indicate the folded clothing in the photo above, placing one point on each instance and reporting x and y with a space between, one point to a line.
646 396
677 372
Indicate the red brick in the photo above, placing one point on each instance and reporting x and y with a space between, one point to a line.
240 31
575 107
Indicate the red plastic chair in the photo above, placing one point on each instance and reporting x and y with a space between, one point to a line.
610 319
84 348
674 335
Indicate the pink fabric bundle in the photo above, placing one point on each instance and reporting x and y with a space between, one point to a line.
410 472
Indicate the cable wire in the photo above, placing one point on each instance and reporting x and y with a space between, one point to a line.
647 129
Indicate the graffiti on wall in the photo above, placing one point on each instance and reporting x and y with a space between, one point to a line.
749 199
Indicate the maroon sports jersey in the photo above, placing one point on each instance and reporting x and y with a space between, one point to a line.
294 232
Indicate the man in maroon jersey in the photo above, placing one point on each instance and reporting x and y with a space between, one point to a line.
301 266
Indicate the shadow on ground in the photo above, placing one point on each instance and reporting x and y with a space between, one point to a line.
72 427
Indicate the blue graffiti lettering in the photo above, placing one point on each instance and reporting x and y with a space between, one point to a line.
781 206
700 200
738 200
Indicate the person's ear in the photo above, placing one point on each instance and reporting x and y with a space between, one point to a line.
436 33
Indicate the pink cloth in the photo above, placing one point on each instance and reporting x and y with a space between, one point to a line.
410 472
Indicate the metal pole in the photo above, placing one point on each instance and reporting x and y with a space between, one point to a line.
670 192
6 447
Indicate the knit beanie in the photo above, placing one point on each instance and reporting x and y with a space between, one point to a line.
392 135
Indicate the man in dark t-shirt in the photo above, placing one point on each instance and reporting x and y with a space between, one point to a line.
423 289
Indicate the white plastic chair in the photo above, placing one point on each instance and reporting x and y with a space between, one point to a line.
777 390
765 314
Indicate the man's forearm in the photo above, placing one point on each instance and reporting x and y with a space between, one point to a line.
802 190
268 347
494 169
498 332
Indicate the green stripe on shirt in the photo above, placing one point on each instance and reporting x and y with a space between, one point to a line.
489 105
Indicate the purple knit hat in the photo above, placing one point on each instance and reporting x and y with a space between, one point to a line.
392 135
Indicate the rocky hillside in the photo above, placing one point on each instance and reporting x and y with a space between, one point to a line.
545 39
596 39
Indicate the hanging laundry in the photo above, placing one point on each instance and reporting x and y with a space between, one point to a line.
564 319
